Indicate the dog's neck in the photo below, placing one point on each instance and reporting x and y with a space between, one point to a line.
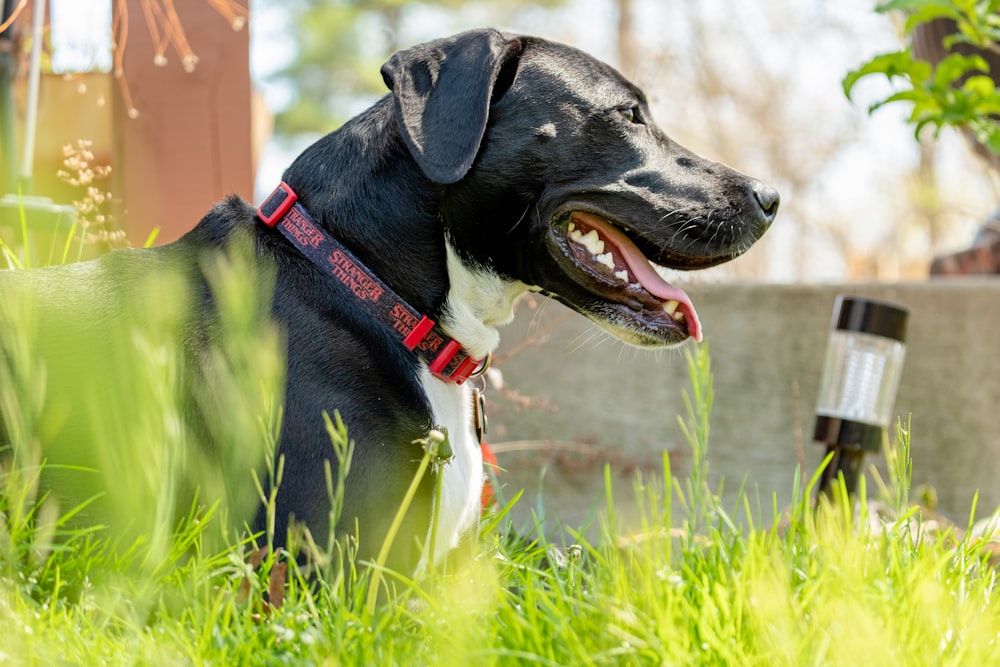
478 302
375 201
405 246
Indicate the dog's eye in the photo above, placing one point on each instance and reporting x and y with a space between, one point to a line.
631 114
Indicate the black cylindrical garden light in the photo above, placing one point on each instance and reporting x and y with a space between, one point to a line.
864 361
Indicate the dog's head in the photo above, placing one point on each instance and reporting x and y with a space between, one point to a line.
555 176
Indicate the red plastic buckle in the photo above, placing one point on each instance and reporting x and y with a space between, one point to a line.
444 358
464 370
414 337
279 212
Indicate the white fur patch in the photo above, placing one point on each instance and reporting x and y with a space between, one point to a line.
548 130
478 302
462 476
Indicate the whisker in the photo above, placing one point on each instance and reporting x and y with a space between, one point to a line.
525 215
592 338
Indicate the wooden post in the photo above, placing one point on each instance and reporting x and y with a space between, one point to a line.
189 145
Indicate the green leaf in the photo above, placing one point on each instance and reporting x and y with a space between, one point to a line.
987 132
954 67
918 97
980 86
908 5
893 64
987 107
930 12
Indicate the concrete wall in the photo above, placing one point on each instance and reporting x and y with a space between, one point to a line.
579 398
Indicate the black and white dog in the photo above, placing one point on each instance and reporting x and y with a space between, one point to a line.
498 165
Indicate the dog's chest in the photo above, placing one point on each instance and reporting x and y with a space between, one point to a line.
462 476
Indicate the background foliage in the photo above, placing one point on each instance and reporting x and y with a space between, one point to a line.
958 91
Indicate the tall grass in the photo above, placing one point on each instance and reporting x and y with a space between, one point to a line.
180 584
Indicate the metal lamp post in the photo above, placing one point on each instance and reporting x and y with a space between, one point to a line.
864 361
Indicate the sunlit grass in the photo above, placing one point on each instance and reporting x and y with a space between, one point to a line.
164 576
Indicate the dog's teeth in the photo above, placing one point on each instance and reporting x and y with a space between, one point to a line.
622 275
607 260
671 308
592 241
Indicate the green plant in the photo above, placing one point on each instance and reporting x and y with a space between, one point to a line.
955 92
686 586
86 177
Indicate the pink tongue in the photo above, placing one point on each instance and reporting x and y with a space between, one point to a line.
641 269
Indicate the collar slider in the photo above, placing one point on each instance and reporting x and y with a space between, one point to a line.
282 199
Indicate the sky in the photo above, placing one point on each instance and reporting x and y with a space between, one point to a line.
81 29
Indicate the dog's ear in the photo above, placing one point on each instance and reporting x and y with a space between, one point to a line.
441 95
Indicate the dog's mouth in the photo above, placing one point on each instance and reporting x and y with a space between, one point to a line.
609 264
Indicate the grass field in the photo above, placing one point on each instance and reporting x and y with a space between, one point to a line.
798 586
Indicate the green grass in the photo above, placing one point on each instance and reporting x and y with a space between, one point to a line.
690 586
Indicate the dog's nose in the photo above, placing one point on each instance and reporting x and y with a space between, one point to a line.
768 199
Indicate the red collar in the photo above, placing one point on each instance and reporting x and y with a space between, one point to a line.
443 355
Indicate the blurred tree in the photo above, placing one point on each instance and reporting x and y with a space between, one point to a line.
628 49
947 85
948 75
340 46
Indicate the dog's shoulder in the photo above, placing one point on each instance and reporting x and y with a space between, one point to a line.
230 218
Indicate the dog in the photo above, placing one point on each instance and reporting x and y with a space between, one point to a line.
497 165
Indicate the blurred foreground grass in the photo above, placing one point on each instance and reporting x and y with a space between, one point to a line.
148 565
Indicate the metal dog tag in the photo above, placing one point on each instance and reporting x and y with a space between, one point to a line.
479 414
